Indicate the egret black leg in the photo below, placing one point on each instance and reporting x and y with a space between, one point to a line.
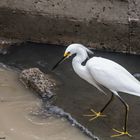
106 105
126 112
124 132
95 114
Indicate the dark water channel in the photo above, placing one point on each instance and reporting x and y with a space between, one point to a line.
76 96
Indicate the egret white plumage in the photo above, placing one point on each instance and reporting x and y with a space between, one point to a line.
100 72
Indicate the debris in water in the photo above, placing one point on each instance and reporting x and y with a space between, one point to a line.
43 84
6 44
38 81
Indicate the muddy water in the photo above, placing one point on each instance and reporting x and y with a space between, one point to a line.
20 114
76 96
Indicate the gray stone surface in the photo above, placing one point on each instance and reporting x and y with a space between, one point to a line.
134 25
78 10
96 23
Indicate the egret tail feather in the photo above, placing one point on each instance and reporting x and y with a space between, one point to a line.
134 93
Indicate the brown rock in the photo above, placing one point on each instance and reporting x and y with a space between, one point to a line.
38 81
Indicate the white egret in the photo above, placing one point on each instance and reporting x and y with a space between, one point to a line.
100 72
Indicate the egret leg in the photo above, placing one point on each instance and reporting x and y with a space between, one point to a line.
95 114
106 105
124 132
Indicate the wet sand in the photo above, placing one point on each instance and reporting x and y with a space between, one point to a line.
21 116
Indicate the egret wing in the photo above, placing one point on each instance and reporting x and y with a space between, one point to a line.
113 76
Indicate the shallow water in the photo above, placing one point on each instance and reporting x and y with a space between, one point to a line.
21 117
76 96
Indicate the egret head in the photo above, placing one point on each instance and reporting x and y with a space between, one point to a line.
73 49
76 49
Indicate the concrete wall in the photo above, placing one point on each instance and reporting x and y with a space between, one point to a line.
103 24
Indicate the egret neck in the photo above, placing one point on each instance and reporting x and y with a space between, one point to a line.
77 64
81 70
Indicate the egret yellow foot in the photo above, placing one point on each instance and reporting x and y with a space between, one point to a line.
120 133
95 115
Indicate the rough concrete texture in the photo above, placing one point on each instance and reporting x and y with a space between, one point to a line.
134 25
97 23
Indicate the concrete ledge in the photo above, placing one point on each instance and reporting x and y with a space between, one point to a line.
99 24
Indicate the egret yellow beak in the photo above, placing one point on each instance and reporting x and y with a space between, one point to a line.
66 55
